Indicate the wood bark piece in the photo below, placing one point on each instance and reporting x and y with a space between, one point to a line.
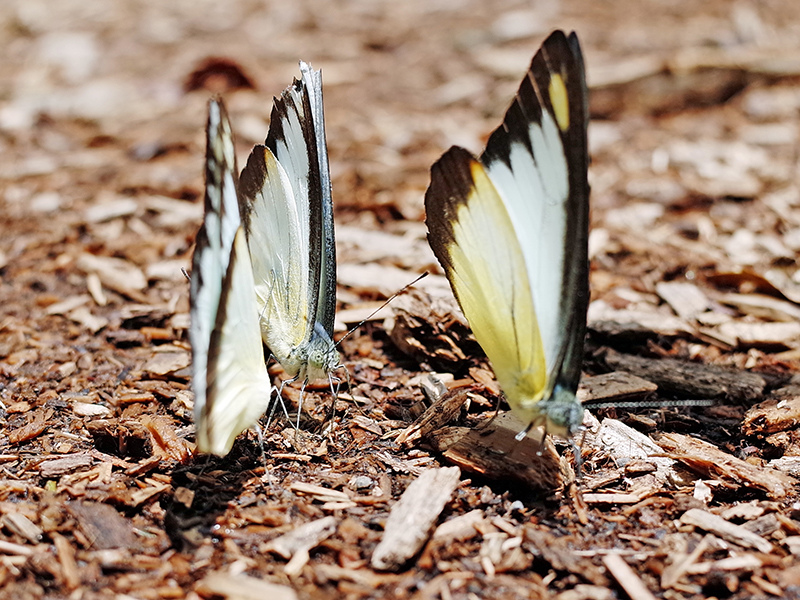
694 380
772 415
103 525
731 532
494 452
413 517
243 587
630 581
713 463
439 414
62 466
615 386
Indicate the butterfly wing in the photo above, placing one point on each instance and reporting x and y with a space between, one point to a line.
230 381
239 388
288 214
534 174
214 240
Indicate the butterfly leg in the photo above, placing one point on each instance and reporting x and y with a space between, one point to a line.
300 404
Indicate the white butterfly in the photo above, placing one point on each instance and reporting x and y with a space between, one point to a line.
231 386
511 230
287 212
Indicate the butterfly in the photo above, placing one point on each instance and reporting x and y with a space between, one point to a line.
231 386
287 214
510 230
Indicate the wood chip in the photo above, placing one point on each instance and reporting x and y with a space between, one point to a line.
614 386
493 451
117 274
305 536
625 444
627 579
413 516
23 526
735 534
712 462
61 466
242 587
66 558
437 415
688 379
102 525
686 299
772 415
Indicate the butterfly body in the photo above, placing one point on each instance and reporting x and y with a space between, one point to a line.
287 212
510 229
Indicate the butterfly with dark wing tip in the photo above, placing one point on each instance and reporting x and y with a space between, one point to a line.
511 231
287 213
231 386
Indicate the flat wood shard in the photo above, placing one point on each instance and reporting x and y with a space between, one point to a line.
412 519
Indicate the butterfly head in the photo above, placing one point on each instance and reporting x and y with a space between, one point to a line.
316 358
562 412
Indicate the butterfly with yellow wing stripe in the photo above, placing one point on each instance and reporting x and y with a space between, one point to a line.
287 211
231 386
510 230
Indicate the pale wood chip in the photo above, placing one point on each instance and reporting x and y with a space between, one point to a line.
413 516
681 564
746 562
242 587
164 363
15 549
601 314
686 299
762 334
763 306
86 409
84 316
66 558
793 544
627 579
23 526
117 274
458 529
320 493
296 544
95 287
731 532
712 462
625 444
365 577
65 306
108 209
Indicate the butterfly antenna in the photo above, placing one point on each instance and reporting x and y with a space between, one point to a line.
374 312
